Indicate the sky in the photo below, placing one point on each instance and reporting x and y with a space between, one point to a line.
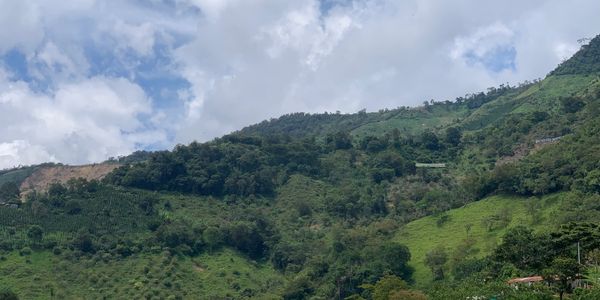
85 80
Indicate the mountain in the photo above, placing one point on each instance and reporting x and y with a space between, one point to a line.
421 202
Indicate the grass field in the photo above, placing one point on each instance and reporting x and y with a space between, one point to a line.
424 234
414 121
144 276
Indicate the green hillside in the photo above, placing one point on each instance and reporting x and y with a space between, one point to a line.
333 206
144 276
16 175
472 224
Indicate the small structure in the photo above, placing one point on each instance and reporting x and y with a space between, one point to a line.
515 282
426 165
548 140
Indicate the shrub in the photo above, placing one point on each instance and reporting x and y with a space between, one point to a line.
25 251
7 294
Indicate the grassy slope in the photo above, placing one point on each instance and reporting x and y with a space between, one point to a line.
543 96
424 234
16 175
216 276
414 121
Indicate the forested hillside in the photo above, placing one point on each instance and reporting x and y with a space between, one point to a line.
443 201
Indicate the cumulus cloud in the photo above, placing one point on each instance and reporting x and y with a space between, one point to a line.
365 54
102 78
21 152
81 122
20 23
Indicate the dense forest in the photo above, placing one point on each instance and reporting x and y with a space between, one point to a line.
334 206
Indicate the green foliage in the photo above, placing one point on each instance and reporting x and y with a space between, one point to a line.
298 289
469 246
476 287
9 192
585 61
386 286
561 273
523 249
453 136
329 206
7 294
35 233
572 104
339 140
435 259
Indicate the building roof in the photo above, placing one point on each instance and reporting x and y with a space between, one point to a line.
526 279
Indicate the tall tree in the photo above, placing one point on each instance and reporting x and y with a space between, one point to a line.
436 259
562 273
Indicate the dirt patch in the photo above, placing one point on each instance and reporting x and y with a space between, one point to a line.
520 152
41 179
523 150
198 267
315 227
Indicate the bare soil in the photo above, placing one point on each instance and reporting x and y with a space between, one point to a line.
41 179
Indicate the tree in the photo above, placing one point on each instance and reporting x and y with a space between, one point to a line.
73 207
453 136
213 237
83 242
175 234
561 273
397 257
56 190
7 294
385 286
407 295
435 259
522 248
9 192
593 259
339 140
571 104
35 233
430 140
247 238
592 181
298 289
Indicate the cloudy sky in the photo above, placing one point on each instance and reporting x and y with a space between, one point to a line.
83 80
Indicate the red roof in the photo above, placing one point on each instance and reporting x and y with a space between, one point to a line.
526 279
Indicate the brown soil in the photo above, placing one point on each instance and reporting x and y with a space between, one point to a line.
198 267
41 179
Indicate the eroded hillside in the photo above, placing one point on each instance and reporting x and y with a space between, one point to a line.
41 178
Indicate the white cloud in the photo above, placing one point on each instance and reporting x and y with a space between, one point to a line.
482 41
22 153
365 54
20 25
82 122
58 63
210 8
246 61
140 37
303 31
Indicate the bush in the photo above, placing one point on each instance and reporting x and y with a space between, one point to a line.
7 294
73 207
25 251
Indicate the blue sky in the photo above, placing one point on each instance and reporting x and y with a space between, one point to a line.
84 80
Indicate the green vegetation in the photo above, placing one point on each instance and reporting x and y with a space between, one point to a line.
477 228
333 206
17 175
